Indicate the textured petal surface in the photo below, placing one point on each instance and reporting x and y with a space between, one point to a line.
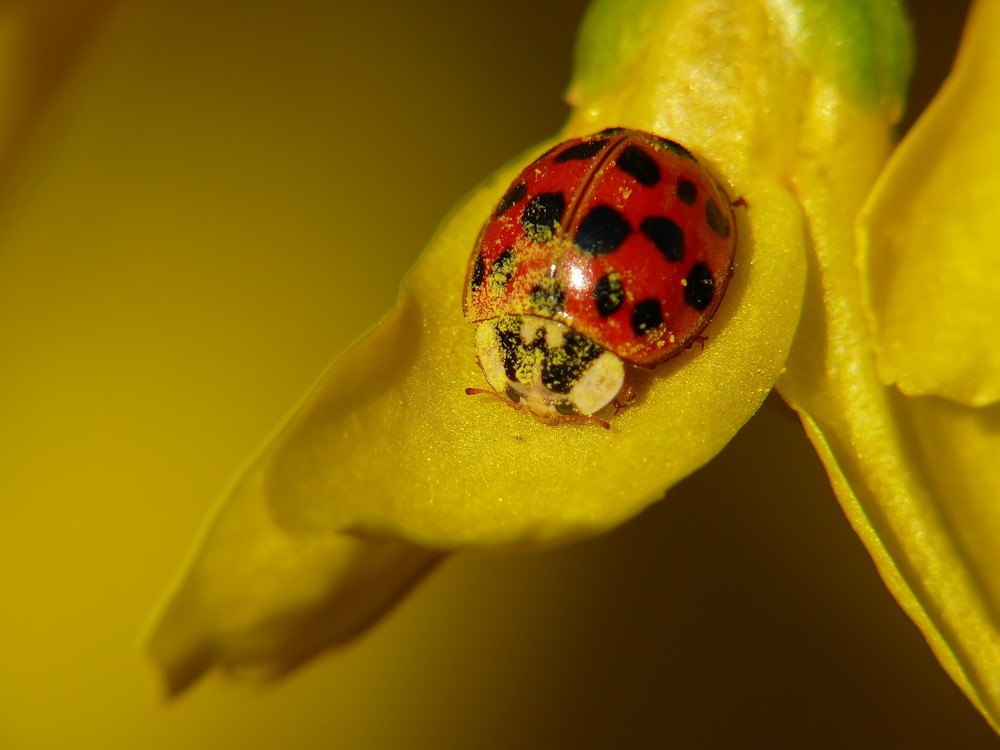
930 249
912 474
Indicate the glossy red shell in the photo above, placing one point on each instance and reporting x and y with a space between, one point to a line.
622 235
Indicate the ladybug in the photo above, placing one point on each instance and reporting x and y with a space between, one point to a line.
609 250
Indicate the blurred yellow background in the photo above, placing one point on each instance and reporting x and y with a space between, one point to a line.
216 200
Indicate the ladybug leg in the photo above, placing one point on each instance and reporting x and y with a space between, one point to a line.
572 418
740 202
597 420
699 339
488 392
625 396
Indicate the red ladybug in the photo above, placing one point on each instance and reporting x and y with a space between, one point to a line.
607 250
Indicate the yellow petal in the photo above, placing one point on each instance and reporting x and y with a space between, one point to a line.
258 602
913 475
930 247
909 474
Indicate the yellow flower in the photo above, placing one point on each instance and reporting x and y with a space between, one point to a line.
909 437
387 465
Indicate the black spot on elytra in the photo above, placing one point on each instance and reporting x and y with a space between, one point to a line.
700 287
687 192
564 365
608 294
514 194
478 271
646 315
716 220
548 297
666 235
584 150
602 231
676 148
636 162
542 215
